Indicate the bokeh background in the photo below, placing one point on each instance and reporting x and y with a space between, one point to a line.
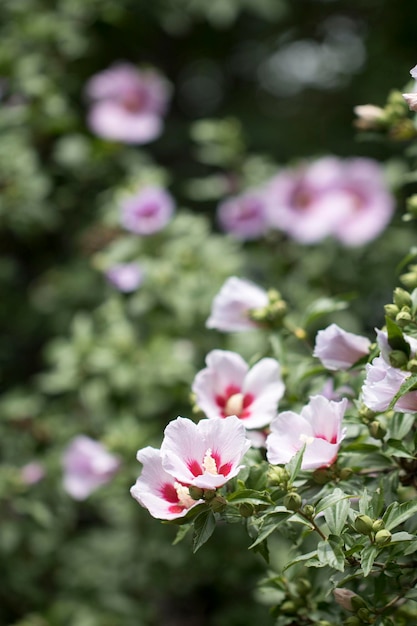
256 85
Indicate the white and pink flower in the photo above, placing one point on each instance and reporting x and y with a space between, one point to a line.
244 216
227 386
127 104
232 305
411 98
346 199
338 349
318 427
147 211
125 277
204 455
381 384
87 465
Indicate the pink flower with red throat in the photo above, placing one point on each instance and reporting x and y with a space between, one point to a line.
228 387
87 466
127 104
244 216
233 304
318 427
158 491
147 211
338 349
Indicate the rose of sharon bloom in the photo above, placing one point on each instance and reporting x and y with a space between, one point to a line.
228 387
87 466
127 104
319 427
147 211
32 473
244 216
411 98
232 305
346 199
158 491
125 276
204 455
381 384
338 349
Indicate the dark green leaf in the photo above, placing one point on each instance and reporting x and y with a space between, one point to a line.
408 385
395 337
270 524
396 513
249 496
204 526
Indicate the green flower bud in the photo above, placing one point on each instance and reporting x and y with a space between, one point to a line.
209 494
218 504
363 524
398 358
292 501
345 473
278 475
376 430
412 365
412 205
288 607
352 621
391 310
403 318
321 476
402 298
383 537
364 615
303 586
378 525
274 295
196 493
308 510
246 509
409 279
366 415
358 603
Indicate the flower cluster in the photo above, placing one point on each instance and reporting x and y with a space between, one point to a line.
346 199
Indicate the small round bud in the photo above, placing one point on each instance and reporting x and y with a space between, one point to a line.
209 494
403 318
376 430
383 537
364 615
345 473
412 205
409 279
288 607
398 358
303 586
321 476
246 509
402 298
196 493
363 524
352 621
391 310
412 365
274 295
358 603
378 525
292 501
308 511
366 415
278 475
218 504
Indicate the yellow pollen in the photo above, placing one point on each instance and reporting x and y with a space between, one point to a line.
209 463
183 494
234 405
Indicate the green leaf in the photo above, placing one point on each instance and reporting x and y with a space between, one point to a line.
249 496
321 307
394 447
396 513
336 495
204 526
336 516
368 556
294 466
408 385
181 532
330 553
270 524
396 338
401 424
310 556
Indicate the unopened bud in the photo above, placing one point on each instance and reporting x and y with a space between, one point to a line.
292 501
378 525
274 295
403 318
352 621
383 537
412 205
409 279
321 476
376 430
196 493
364 615
344 597
398 358
288 607
218 504
391 310
412 365
278 475
366 414
309 510
402 298
358 603
370 117
363 524
209 494
345 473
303 586
246 509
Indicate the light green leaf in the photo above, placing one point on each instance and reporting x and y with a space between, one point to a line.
396 513
294 466
303 558
270 524
249 496
368 556
336 516
336 495
330 553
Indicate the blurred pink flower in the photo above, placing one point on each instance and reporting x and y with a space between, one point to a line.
228 387
232 305
381 384
204 455
147 211
318 426
411 98
346 199
125 276
244 216
158 491
32 473
338 349
127 104
87 466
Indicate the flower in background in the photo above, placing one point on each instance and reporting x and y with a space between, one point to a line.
228 387
318 427
232 305
244 216
127 104
345 199
147 211
381 384
411 98
125 276
32 473
87 465
204 455
158 491
338 349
